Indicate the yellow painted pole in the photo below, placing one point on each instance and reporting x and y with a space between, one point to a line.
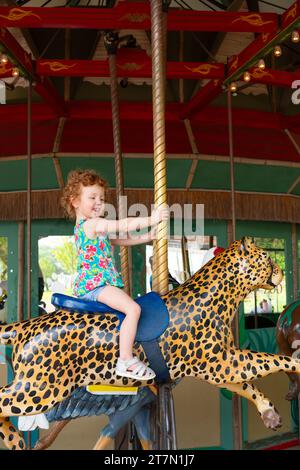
160 248
111 42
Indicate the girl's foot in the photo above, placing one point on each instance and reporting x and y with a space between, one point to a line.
134 369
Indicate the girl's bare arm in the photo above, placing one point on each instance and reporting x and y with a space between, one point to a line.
145 238
92 227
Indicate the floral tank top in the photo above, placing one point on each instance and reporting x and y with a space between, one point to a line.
96 264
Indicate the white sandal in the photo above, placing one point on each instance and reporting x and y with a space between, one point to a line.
140 372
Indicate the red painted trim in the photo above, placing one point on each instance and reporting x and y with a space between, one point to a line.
236 62
20 55
131 67
291 14
204 96
142 111
284 445
42 86
290 122
135 16
273 77
89 129
134 64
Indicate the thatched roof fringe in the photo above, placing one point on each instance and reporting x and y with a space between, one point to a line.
217 204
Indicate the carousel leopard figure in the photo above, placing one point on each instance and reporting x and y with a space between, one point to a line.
55 354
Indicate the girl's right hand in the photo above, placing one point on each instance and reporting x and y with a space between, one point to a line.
161 213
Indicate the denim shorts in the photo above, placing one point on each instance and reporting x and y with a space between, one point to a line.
93 294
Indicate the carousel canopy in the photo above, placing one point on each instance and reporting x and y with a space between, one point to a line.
59 46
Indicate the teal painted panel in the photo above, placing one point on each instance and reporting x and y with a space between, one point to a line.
296 190
263 229
212 175
103 165
260 178
262 340
138 173
217 228
13 175
177 172
264 178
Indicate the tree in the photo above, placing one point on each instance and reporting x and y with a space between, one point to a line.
3 258
66 256
48 268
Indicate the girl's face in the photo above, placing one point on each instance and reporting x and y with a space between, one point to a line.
90 202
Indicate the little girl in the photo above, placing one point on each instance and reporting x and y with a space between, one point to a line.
97 278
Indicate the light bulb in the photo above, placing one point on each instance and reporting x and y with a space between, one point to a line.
15 72
261 64
247 77
277 51
233 87
4 59
295 36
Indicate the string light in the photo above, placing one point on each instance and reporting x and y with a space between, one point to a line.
15 72
247 77
295 36
277 51
4 59
233 87
261 64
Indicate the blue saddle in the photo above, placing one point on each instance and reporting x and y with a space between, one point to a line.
154 313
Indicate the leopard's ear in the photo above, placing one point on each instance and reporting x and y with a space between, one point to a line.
245 245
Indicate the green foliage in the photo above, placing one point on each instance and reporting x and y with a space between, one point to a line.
48 268
66 256
3 258
61 259
275 247
269 243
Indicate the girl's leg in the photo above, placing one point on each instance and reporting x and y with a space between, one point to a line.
116 298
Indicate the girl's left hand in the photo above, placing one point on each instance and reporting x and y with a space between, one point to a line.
161 213
153 233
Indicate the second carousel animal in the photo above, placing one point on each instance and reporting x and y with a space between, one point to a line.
288 341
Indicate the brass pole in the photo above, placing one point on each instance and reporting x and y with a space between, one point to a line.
112 49
29 184
29 151
236 399
295 261
165 417
21 267
185 259
160 258
232 182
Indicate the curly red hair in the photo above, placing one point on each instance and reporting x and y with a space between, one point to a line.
76 179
